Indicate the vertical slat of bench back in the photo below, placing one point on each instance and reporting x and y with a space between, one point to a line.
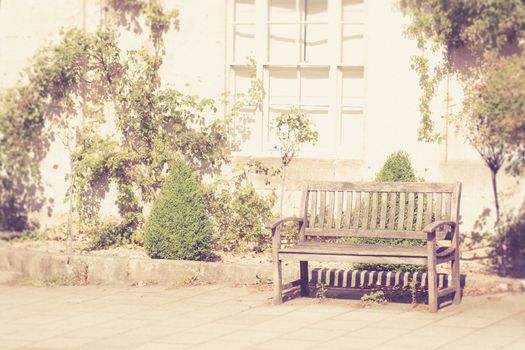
348 212
384 200
381 207
304 210
357 210
401 221
313 208
373 219
393 203
448 204
410 212
322 208
330 209
438 206
420 205
456 198
429 206
366 209
339 209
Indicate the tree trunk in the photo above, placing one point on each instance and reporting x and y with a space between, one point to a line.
494 173
70 209
283 180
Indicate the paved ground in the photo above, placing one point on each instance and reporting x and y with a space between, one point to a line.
218 317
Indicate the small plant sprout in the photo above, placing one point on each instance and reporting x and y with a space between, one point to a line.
321 290
293 129
374 298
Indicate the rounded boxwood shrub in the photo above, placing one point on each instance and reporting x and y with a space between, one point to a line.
397 168
179 227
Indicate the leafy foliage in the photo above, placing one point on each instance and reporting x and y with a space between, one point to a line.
493 117
179 226
467 33
397 168
74 90
239 215
108 234
293 129
376 297
508 247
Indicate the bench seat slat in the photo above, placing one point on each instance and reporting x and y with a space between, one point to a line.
356 249
371 259
326 232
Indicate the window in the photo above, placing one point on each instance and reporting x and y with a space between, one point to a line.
309 54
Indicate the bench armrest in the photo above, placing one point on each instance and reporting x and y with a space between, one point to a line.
276 223
431 229
433 226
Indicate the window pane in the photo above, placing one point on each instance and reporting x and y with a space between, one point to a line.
351 133
353 49
314 86
283 43
283 86
324 125
283 11
353 11
315 10
242 79
353 87
245 11
316 37
244 42
245 132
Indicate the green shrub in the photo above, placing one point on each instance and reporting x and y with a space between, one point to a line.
508 247
397 168
108 234
239 216
179 226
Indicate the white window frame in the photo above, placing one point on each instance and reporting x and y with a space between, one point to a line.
334 64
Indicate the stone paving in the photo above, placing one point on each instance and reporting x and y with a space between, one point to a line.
220 317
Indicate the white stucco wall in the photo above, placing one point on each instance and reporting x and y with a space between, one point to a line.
195 63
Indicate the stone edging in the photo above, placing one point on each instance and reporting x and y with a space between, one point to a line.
28 263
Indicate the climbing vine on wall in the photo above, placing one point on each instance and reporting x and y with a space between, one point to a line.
467 34
74 89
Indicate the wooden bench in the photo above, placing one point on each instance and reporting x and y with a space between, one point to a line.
393 210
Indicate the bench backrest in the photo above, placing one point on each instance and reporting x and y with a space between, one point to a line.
377 209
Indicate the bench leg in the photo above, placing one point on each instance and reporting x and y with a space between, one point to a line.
277 282
432 288
456 278
432 273
304 278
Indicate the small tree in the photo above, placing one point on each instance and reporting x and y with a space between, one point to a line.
179 227
293 129
494 118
